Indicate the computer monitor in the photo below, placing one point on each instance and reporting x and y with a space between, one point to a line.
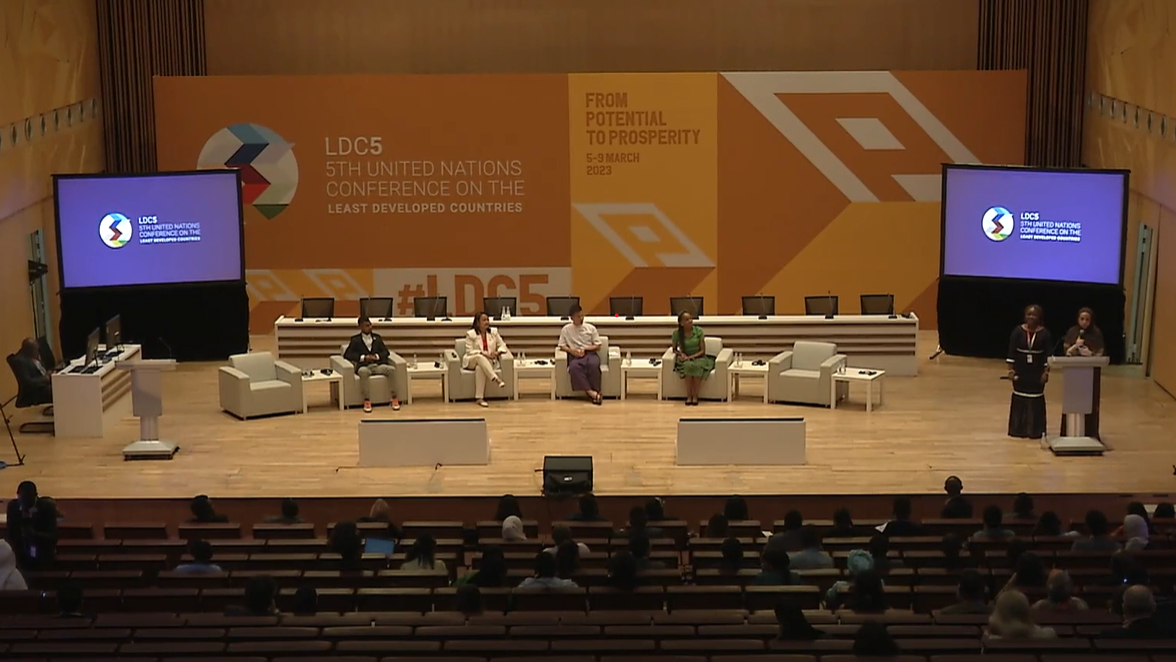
430 307
692 305
561 307
629 307
493 306
877 304
376 307
318 307
92 346
759 305
822 304
384 546
114 333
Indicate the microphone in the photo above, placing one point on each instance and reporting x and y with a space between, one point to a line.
829 314
632 307
170 354
763 308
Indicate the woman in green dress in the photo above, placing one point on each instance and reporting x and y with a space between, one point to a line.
690 359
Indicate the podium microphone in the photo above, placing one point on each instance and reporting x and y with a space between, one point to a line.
763 308
829 313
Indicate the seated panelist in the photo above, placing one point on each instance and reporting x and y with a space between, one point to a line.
370 356
690 359
483 346
580 341
32 375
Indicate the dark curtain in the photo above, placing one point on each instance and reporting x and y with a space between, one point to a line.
139 39
1047 38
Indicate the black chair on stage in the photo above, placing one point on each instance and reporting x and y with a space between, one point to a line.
28 394
493 306
561 307
692 305
877 304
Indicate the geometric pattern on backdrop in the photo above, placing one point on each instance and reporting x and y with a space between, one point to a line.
269 171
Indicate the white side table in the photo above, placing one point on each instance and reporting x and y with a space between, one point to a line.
640 368
745 368
427 371
861 375
320 378
532 368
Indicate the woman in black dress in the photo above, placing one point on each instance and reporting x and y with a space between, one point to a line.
1085 339
1029 348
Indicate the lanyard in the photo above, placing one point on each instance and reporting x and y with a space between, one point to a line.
1030 338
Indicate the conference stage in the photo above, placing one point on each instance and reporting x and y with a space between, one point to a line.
950 419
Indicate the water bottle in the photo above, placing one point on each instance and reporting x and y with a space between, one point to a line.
523 356
628 358
414 361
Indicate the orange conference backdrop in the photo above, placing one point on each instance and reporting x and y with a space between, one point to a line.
655 185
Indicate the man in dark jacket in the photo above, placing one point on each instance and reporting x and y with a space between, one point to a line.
36 387
370 356
1139 621
32 528
956 507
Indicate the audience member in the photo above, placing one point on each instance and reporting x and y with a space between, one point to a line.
868 595
289 513
1015 548
842 525
901 525
880 553
589 510
971 594
567 559
622 571
993 525
794 626
1137 508
810 556
736 509
382 512
640 548
859 561
788 538
261 592
1013 619
468 600
1059 594
204 513
775 568
873 640
546 574
956 506
1098 539
1135 530
423 555
201 553
508 505
512 529
717 526
1022 508
1049 524
347 542
69 600
32 528
953 547
732 561
561 533
1139 621
491 572
10 577
1164 510
655 510
1029 573
639 525
305 601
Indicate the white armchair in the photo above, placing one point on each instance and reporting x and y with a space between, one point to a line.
462 382
803 374
610 372
714 387
257 385
381 388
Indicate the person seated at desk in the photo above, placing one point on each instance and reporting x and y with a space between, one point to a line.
368 353
690 359
32 375
483 346
580 340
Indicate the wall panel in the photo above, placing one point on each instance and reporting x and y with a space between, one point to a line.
540 36
49 59
1163 359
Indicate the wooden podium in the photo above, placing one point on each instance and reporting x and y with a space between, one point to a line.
147 404
1080 375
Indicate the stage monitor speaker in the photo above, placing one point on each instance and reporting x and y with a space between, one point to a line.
567 474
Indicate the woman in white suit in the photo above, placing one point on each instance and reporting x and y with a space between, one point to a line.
483 347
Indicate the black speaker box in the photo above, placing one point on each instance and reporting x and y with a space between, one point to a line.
567 474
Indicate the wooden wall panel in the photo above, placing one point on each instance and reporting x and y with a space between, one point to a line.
1132 52
49 58
1163 358
446 36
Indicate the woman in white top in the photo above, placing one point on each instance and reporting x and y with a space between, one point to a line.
10 577
483 346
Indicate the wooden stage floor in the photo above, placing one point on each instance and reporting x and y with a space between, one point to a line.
951 419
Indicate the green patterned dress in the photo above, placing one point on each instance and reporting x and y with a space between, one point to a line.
692 344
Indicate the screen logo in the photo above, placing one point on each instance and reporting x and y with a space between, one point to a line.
269 172
115 230
997 223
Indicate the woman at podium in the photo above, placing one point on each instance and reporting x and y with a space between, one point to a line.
1085 339
1029 348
